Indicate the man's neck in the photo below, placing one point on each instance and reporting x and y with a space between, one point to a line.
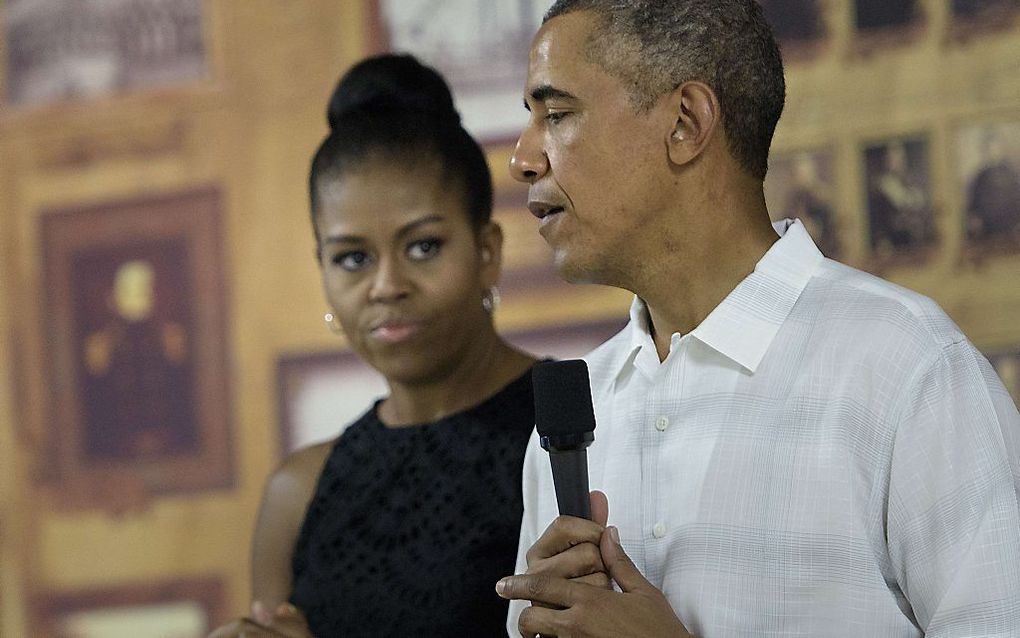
698 267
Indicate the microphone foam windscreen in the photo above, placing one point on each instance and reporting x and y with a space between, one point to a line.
562 397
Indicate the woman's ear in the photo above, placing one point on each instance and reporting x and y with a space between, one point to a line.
490 253
695 108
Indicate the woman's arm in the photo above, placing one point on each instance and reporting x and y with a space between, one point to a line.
284 502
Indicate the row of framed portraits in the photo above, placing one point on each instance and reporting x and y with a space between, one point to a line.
900 204
61 50
136 301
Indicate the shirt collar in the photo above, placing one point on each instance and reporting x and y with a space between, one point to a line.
744 325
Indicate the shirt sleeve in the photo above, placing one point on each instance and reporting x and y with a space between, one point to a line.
529 524
953 519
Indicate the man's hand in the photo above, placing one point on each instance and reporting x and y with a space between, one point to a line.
579 609
286 622
569 547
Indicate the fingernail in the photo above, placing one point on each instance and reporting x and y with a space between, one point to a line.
258 610
286 609
501 586
614 534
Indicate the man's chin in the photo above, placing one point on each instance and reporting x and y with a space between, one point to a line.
574 272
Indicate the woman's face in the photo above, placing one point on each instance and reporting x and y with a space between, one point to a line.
403 268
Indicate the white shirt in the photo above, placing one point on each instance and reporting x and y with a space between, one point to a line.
825 455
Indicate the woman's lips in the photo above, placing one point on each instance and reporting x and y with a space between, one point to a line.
391 333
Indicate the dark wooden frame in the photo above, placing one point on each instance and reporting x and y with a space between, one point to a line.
292 369
194 218
379 41
49 609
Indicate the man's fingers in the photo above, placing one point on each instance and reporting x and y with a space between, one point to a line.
619 565
564 533
539 621
599 507
541 588
579 560
598 579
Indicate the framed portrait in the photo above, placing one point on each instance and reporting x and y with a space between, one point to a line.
798 25
880 24
135 300
988 166
1007 365
321 393
178 609
801 185
69 49
974 17
901 220
481 48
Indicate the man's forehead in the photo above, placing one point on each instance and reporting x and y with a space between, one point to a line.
558 50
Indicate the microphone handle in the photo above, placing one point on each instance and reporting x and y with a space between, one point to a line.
570 478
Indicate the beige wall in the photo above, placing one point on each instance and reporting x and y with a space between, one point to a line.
250 129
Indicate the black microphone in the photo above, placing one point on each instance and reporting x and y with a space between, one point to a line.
566 427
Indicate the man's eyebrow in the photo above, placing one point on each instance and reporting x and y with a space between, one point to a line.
545 92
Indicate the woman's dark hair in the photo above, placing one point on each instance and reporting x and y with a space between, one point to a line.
394 107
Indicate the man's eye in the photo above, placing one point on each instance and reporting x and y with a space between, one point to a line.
351 261
424 249
556 116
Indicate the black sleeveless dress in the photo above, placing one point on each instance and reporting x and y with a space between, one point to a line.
410 528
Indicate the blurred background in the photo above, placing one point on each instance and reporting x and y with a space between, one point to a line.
156 255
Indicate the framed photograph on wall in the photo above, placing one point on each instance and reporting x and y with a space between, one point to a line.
970 18
1007 365
798 25
988 174
880 24
181 609
801 185
321 393
481 48
70 49
901 219
135 299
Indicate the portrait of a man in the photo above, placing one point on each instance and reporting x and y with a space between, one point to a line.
794 21
68 49
900 215
799 185
137 366
983 8
870 15
1007 366
136 358
481 48
989 165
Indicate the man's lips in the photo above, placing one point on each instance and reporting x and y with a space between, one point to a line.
542 209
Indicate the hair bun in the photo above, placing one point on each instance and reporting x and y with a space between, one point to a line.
391 83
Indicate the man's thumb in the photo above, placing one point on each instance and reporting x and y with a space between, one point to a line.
620 566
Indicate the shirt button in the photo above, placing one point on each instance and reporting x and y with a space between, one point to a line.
659 530
661 424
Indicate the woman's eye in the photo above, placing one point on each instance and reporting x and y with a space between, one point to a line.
424 249
351 261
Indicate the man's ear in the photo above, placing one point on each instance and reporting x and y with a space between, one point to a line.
695 107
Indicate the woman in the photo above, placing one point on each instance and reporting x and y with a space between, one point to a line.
402 526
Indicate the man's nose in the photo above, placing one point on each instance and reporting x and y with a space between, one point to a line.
529 161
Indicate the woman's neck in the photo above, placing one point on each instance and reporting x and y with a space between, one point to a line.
486 367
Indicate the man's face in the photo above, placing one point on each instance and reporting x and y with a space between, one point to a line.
595 164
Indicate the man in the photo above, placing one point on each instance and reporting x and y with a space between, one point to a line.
788 446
